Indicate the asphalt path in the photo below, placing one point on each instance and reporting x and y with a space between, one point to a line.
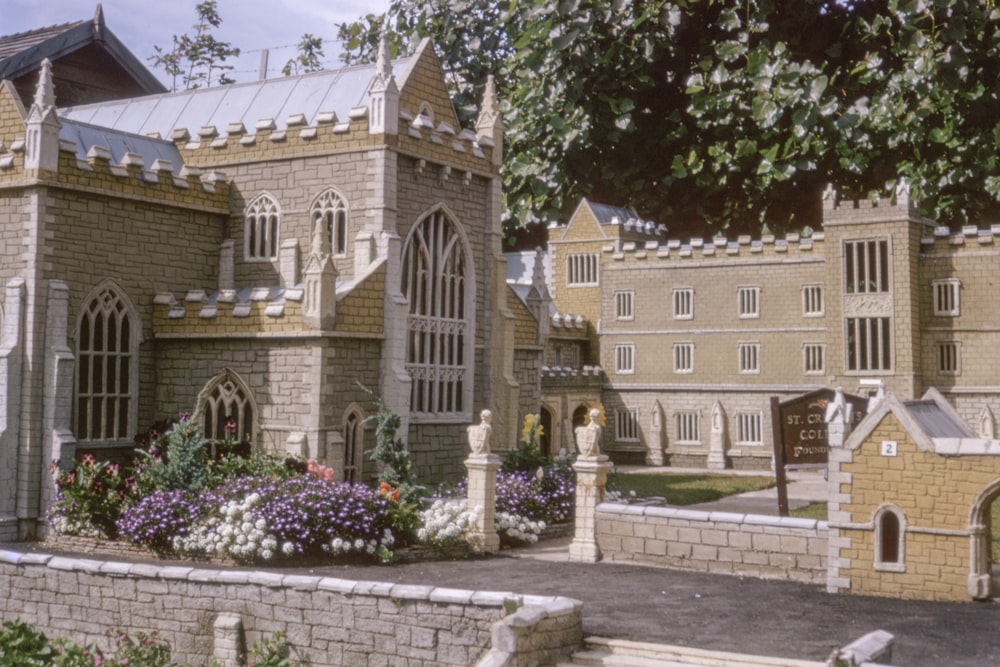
720 612
709 611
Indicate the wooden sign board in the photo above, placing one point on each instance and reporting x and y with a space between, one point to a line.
803 425
800 433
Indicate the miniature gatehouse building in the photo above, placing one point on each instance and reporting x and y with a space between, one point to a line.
265 253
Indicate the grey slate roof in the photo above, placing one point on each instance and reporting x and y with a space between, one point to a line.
605 212
336 91
22 53
936 422
85 136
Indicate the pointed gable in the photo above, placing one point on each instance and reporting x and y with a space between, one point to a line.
12 112
422 88
90 64
584 224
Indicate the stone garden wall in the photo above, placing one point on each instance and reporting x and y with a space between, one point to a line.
754 545
215 614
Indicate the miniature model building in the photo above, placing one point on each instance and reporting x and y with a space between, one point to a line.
910 515
262 253
692 338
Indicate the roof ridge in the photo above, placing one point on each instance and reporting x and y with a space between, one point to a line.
65 26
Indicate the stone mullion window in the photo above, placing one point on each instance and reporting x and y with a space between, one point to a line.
866 266
582 269
748 429
748 302
688 431
106 350
331 208
354 435
227 410
627 425
946 298
435 284
869 344
261 229
683 301
814 358
812 300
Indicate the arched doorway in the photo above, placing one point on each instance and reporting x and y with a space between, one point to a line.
580 416
545 441
981 577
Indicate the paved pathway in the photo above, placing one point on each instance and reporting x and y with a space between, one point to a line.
724 613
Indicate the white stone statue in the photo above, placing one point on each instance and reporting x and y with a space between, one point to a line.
588 438
479 434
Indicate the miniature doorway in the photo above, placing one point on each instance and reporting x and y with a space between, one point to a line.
545 441
984 577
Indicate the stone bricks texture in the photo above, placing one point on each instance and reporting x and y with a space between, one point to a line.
169 241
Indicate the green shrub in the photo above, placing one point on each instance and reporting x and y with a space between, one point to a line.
396 467
90 498
177 461
23 646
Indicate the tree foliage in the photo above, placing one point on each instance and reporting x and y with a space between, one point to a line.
734 113
200 60
309 58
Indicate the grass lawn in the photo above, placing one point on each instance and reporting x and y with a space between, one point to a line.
686 489
815 510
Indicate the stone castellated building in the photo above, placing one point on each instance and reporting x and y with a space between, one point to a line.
685 342
259 252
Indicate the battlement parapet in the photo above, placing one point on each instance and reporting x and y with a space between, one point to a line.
943 238
567 322
130 175
876 208
162 175
232 142
718 247
569 372
229 311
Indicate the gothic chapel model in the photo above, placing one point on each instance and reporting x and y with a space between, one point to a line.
261 252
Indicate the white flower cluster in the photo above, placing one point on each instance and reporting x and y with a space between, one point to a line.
340 546
66 526
618 497
238 534
518 527
446 521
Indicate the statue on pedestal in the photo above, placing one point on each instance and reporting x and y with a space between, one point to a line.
588 438
479 434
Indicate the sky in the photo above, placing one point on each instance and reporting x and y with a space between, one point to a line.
250 25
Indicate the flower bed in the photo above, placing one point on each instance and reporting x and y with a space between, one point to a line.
180 501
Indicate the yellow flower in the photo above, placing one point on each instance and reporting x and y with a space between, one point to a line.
532 429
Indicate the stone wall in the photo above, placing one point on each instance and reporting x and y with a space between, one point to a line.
722 542
328 621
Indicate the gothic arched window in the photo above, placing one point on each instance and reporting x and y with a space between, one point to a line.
354 445
227 409
331 208
107 341
261 229
437 281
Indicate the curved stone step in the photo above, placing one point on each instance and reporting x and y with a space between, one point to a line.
604 652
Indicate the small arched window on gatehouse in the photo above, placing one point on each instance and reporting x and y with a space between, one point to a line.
890 539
